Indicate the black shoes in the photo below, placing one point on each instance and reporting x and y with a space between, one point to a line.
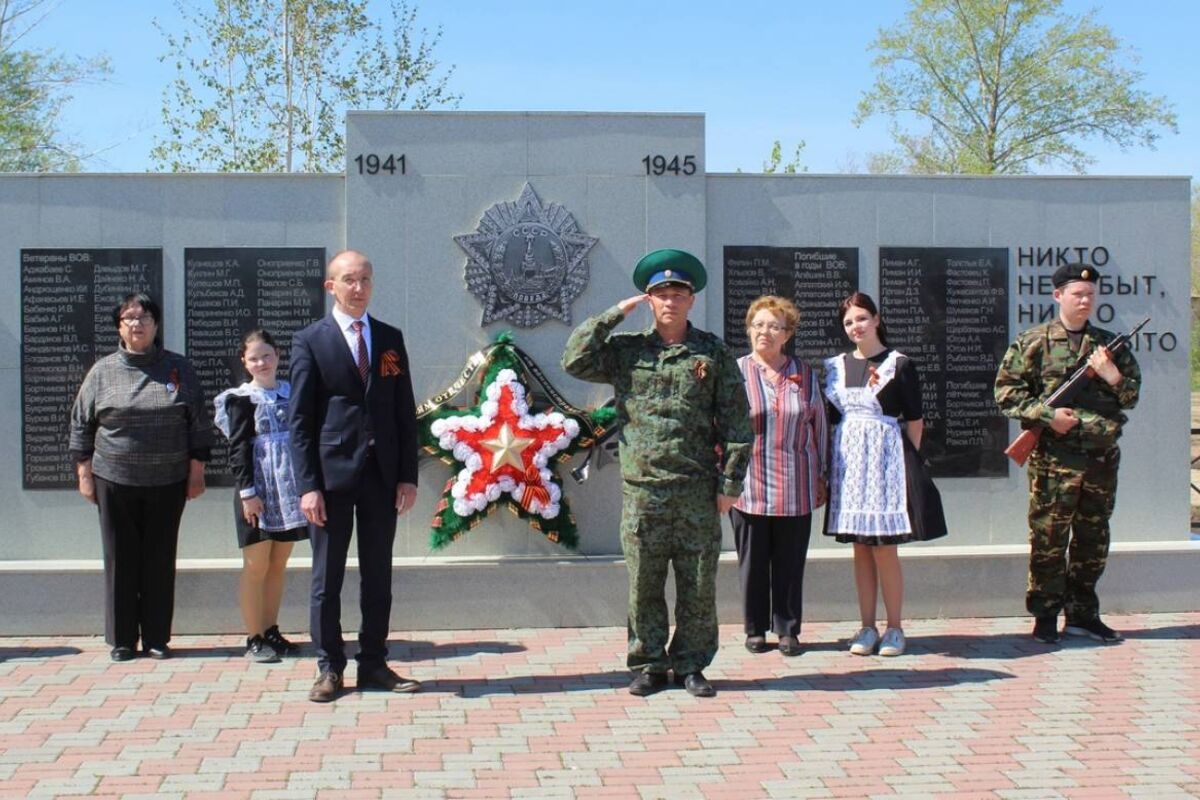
696 684
280 645
159 652
258 651
1094 629
756 644
789 646
1045 630
384 678
326 689
122 654
648 683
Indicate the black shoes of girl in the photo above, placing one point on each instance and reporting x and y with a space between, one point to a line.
280 645
258 651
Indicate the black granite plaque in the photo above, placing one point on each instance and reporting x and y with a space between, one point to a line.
232 290
816 279
947 309
67 297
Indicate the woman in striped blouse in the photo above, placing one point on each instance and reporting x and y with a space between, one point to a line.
786 480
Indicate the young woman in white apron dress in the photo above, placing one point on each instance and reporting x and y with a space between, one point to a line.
876 401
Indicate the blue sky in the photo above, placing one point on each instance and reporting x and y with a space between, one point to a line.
758 71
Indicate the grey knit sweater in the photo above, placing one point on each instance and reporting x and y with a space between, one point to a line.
141 417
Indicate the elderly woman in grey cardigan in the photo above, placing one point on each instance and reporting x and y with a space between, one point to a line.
140 434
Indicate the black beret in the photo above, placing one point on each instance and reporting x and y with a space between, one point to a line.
1073 272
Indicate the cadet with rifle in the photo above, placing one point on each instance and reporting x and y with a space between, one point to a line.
1073 467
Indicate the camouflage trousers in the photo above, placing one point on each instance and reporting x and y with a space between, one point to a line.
1071 497
677 527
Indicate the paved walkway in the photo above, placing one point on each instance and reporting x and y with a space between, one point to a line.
976 709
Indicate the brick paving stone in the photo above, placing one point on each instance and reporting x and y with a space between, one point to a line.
975 709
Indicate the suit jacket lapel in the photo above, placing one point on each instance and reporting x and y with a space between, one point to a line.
337 340
376 350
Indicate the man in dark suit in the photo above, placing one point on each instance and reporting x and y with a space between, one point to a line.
354 444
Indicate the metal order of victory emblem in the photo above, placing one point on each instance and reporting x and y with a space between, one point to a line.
526 261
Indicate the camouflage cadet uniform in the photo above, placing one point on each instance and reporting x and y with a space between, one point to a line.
676 404
1073 477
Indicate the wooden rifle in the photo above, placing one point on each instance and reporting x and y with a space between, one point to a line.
1022 446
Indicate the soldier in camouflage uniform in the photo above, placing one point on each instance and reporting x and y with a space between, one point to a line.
685 441
1073 471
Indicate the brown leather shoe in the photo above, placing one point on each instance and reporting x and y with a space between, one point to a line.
387 680
326 689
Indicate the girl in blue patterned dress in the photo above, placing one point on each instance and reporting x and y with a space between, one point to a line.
876 500
254 417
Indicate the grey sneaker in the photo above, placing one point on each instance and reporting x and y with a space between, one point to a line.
863 643
892 643
258 651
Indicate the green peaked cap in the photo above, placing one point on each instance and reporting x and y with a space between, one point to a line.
669 266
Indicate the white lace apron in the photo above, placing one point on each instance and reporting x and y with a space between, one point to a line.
867 490
274 479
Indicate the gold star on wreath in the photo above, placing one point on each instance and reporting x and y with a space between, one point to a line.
507 449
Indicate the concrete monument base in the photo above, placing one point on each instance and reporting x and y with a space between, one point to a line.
43 598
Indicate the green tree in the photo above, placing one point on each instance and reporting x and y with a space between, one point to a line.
775 162
1002 86
34 86
263 85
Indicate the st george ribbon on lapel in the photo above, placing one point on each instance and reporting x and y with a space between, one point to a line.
360 351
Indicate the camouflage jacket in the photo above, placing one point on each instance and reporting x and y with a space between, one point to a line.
677 403
1040 360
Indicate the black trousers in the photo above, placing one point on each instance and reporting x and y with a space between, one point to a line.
373 506
139 529
771 556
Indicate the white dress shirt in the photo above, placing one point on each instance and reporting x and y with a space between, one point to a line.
345 323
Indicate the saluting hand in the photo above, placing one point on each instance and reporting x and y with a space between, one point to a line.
630 303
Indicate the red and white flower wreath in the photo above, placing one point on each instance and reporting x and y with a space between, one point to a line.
506 450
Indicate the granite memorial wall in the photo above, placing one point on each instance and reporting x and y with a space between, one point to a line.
481 223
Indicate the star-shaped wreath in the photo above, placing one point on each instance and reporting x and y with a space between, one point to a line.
503 451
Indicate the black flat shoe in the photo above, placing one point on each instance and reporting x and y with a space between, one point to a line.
159 652
696 684
756 644
122 654
1045 629
647 683
789 646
